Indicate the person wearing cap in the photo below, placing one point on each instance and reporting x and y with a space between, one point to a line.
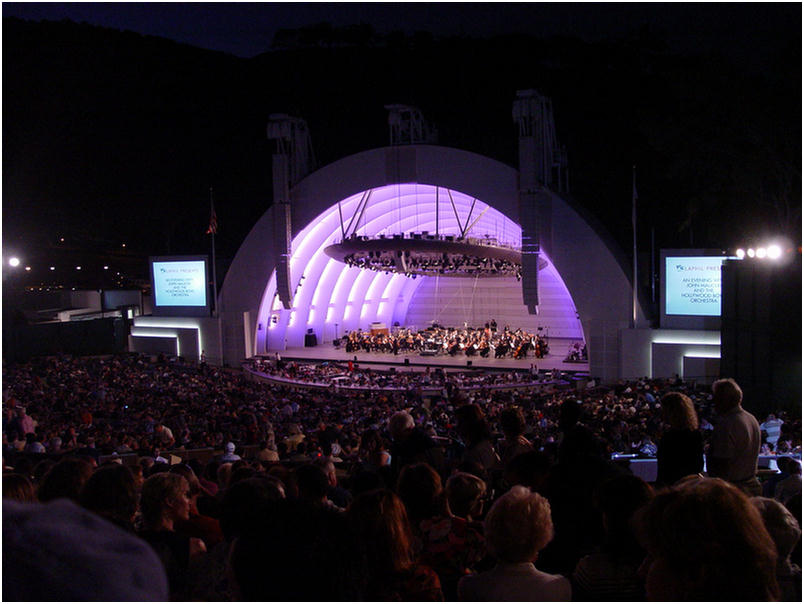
229 454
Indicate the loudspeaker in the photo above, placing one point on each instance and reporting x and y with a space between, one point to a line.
310 340
407 361
468 363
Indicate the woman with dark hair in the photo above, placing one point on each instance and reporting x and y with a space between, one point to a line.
19 488
707 542
680 451
612 573
65 479
447 543
111 492
384 544
476 435
512 423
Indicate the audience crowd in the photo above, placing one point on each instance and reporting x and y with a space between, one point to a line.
461 493
352 376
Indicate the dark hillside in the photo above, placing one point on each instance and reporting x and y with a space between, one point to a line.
112 135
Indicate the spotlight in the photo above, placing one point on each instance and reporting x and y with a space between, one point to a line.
15 262
751 252
761 252
774 252
27 268
740 253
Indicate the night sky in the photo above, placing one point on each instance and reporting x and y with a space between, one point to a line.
104 130
246 29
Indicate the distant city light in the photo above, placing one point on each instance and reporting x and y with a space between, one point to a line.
740 253
774 252
751 252
15 262
761 252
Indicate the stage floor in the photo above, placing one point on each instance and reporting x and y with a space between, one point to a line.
327 352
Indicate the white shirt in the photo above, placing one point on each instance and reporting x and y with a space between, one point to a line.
514 583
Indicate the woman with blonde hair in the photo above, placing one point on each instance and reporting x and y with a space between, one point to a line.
680 451
164 502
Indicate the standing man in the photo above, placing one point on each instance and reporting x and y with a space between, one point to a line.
736 439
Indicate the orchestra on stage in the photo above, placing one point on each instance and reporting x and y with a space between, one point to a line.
438 340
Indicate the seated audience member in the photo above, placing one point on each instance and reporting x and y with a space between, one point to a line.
298 552
223 476
61 552
791 485
517 527
19 488
680 450
198 525
313 485
512 423
476 434
529 469
769 484
111 492
412 445
242 507
229 454
65 479
445 542
786 534
335 493
383 544
165 501
611 574
706 542
267 453
465 495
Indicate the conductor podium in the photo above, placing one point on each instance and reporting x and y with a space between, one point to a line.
310 339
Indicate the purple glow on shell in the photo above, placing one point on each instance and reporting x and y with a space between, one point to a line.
332 292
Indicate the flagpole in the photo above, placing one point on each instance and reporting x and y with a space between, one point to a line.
634 225
214 267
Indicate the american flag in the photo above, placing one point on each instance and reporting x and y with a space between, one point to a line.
213 222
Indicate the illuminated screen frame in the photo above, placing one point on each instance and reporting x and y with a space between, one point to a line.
709 323
176 310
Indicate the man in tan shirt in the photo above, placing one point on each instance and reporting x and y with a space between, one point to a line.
736 439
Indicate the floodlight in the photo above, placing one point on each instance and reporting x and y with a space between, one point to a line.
740 253
751 252
761 252
15 262
774 252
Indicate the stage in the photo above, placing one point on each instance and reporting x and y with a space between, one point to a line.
328 353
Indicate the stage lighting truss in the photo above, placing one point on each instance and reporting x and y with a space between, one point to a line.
422 253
